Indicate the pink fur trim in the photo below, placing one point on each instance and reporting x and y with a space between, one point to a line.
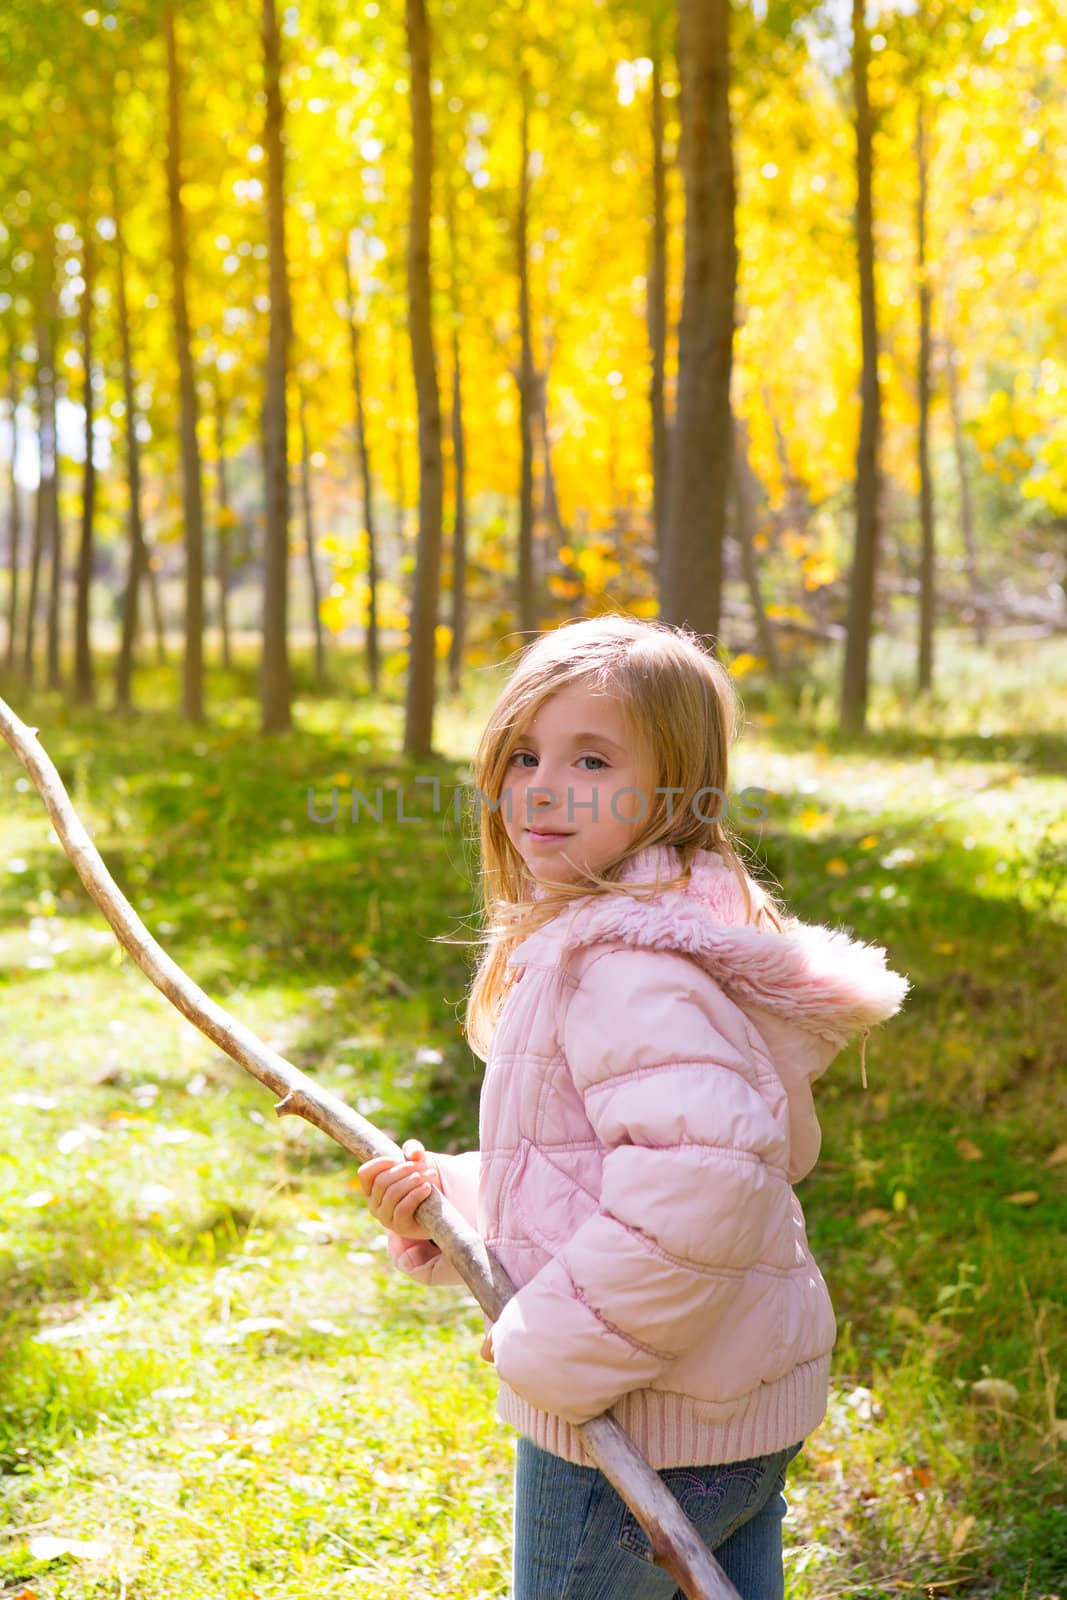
822 978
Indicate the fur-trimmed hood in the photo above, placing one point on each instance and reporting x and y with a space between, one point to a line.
821 979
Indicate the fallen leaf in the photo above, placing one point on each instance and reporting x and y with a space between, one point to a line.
1024 1197
837 868
869 1219
1058 1156
960 1536
967 1150
46 1547
995 1392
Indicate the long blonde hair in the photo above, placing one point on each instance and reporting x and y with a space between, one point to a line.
684 712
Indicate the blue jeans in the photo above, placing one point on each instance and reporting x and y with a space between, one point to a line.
575 1539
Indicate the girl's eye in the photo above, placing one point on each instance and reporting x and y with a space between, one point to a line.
524 755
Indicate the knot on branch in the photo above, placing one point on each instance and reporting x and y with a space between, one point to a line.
295 1104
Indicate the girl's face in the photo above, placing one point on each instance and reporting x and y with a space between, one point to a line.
568 803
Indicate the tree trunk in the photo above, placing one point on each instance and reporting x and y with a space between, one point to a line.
225 523
309 540
702 439
14 516
363 461
457 641
275 682
155 601
927 575
399 478
137 563
50 488
978 600
84 683
418 730
193 665
550 495
657 301
854 691
745 500
798 508
526 607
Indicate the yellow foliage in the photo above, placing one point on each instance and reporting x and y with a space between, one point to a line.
442 640
744 662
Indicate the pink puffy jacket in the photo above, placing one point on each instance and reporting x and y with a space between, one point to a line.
646 1110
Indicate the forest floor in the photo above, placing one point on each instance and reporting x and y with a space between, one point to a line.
211 1384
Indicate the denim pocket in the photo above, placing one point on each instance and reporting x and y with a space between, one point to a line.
717 1499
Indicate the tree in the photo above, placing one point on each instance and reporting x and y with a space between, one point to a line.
419 710
84 683
702 442
193 663
275 685
854 689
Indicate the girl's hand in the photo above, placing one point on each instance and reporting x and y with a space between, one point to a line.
396 1189
486 1352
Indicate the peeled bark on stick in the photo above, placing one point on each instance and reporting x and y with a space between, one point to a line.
676 1545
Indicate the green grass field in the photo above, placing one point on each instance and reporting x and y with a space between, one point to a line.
211 1384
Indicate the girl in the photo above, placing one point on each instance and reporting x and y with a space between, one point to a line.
652 1022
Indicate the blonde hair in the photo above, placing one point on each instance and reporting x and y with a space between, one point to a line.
684 714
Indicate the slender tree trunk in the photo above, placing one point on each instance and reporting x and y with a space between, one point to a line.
526 607
137 561
399 476
14 516
702 440
50 486
155 600
225 524
84 682
275 680
966 508
366 494
855 683
797 501
745 500
457 641
927 575
550 499
457 644
657 299
418 730
29 639
309 539
193 664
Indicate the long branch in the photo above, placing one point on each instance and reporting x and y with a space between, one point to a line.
676 1545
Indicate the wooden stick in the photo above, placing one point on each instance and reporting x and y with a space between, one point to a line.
676 1545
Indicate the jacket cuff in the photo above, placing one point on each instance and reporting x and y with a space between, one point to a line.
422 1260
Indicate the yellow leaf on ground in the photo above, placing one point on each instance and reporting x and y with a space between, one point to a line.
959 1538
1058 1155
1024 1197
870 1219
967 1150
837 868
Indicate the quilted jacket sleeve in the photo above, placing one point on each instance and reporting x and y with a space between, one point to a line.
420 1258
693 1184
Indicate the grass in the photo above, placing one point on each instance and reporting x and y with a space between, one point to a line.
211 1384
